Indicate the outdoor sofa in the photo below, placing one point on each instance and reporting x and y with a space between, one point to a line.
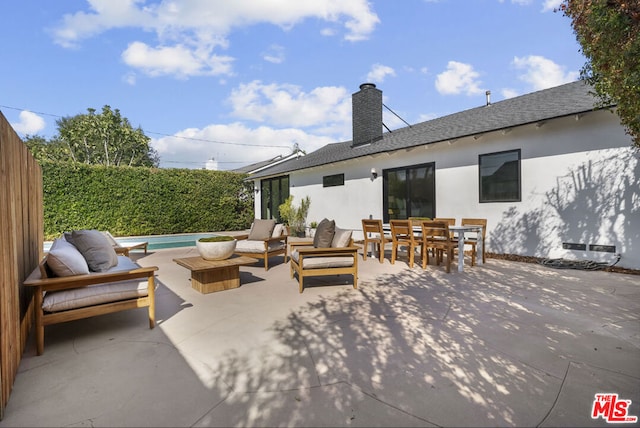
87 278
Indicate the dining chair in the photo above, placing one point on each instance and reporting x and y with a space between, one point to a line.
374 234
416 221
403 235
450 222
473 239
437 237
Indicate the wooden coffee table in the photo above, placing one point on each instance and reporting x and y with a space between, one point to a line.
208 276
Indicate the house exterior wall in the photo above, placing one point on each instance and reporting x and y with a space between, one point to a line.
580 183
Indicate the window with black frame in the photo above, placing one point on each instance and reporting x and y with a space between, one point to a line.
333 180
273 192
409 192
500 179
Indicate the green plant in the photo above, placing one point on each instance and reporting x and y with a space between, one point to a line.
295 217
313 224
218 238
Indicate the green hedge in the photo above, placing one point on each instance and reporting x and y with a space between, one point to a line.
130 201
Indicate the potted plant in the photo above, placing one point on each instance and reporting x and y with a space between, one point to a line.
295 217
218 247
312 228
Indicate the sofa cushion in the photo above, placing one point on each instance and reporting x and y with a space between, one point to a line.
324 233
91 295
262 229
65 260
95 248
341 238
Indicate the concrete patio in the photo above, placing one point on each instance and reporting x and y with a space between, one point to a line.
504 344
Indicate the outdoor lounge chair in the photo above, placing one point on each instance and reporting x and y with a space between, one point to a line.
265 239
124 248
331 253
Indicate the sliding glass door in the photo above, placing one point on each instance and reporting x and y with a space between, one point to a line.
409 192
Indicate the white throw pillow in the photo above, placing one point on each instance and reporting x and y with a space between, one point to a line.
65 260
341 238
277 231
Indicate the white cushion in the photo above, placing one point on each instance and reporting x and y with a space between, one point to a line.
65 260
277 230
322 262
246 246
341 238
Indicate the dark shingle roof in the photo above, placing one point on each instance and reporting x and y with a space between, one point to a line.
565 100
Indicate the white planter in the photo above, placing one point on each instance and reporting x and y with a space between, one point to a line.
216 250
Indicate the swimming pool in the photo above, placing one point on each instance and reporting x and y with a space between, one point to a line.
157 242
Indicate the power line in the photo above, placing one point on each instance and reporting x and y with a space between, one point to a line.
162 134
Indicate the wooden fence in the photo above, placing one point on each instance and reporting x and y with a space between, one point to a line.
21 243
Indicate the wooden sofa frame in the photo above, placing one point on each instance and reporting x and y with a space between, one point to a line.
43 280
264 255
306 249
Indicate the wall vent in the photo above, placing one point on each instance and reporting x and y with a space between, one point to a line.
573 246
603 248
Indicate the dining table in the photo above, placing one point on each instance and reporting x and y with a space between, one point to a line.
459 231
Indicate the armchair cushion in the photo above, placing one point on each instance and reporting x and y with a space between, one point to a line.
248 246
323 262
261 229
324 233
341 238
96 249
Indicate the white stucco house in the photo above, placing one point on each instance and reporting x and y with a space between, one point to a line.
554 176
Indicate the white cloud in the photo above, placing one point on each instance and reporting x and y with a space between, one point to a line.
244 145
509 93
178 60
542 73
458 78
195 29
30 123
551 5
275 54
379 72
288 105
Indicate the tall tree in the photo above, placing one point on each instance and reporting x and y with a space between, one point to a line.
106 138
608 32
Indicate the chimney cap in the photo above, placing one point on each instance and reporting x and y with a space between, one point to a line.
368 86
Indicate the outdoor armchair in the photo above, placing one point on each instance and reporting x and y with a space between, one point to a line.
331 253
265 239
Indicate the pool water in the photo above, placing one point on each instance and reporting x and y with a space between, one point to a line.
157 242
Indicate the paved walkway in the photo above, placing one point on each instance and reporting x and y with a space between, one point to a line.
504 344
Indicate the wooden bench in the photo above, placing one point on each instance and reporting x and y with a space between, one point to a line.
88 295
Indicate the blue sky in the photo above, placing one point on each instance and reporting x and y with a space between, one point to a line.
245 80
